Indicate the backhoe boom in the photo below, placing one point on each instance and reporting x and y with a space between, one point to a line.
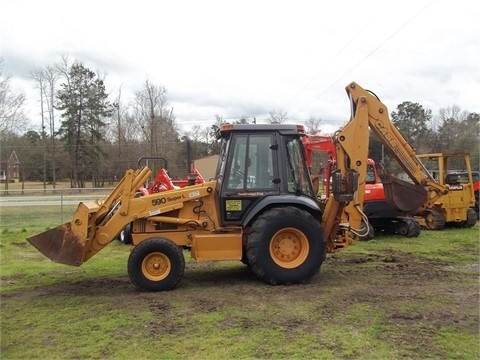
401 194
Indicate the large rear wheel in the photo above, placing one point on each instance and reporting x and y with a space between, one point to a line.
156 264
285 246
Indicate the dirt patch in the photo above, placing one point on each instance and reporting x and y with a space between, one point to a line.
415 297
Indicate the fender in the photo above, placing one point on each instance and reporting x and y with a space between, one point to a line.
309 204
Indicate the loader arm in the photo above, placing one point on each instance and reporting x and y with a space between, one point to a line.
95 225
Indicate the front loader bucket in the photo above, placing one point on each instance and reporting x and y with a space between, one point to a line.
402 195
75 242
61 244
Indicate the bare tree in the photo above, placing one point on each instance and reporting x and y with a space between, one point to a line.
157 123
313 125
12 113
196 133
453 112
119 118
276 117
151 112
219 120
51 77
199 141
458 132
46 80
38 75
124 132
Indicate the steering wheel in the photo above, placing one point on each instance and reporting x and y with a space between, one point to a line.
236 177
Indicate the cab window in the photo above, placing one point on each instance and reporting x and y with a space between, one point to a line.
370 174
298 176
252 165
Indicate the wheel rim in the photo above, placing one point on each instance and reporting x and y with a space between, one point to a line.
430 220
289 248
156 266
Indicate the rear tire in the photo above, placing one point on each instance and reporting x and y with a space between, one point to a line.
477 208
285 246
156 264
471 218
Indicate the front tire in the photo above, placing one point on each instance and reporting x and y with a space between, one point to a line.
408 227
156 264
125 236
434 219
367 236
285 246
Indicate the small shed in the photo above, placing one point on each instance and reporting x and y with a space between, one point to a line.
207 166
13 167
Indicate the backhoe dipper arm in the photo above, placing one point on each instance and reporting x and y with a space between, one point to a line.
367 109
351 148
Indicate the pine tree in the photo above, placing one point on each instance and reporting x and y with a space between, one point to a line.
83 100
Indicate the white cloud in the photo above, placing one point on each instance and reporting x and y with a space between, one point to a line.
245 58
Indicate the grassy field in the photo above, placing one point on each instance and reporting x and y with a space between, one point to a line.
38 185
390 298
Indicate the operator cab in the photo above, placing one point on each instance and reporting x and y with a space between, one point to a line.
259 162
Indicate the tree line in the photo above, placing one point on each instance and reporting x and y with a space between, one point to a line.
90 136
451 131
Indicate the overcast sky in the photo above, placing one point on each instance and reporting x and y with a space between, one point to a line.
246 58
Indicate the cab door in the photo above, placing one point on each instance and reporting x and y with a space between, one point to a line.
251 173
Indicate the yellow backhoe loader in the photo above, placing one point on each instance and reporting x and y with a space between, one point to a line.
260 209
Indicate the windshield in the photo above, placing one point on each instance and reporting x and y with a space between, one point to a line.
252 164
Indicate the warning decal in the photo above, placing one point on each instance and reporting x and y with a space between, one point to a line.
233 205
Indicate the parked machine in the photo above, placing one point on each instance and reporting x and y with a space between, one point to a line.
261 208
382 218
457 206
476 190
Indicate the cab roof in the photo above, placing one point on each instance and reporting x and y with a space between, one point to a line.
284 129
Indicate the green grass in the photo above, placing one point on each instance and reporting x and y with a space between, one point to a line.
370 301
453 245
33 218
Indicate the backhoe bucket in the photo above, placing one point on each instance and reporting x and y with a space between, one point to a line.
402 195
61 244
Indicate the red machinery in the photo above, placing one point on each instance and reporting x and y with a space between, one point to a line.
381 216
162 182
